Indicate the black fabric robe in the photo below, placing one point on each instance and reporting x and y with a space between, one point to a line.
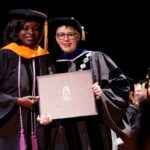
93 132
132 113
9 111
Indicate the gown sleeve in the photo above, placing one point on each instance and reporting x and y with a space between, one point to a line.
114 100
7 101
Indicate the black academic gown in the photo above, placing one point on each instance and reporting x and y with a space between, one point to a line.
9 111
132 113
93 132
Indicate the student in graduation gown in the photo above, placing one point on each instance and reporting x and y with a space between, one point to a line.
110 87
21 60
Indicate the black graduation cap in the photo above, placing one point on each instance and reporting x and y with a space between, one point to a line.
28 14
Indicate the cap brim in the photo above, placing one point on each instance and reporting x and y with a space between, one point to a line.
27 14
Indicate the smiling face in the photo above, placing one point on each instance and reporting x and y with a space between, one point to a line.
67 38
30 34
148 87
139 93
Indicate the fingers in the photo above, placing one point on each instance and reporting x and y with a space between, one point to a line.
34 99
97 90
27 101
44 119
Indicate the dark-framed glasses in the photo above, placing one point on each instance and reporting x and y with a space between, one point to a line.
62 36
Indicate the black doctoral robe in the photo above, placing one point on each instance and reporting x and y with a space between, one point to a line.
9 111
93 132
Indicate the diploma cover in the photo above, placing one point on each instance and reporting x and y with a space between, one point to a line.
67 95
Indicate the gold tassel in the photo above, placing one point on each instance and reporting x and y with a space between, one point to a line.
83 36
46 35
83 33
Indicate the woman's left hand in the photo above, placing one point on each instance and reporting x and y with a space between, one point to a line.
44 119
97 90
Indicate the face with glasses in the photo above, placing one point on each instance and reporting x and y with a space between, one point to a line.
67 38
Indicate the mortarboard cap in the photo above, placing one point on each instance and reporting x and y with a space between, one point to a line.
59 21
28 14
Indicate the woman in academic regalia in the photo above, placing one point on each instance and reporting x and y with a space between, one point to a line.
21 60
110 87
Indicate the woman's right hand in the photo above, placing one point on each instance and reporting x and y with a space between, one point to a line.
27 101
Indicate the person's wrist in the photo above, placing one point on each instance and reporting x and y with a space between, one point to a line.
18 101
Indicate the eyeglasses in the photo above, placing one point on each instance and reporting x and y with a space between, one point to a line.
70 36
